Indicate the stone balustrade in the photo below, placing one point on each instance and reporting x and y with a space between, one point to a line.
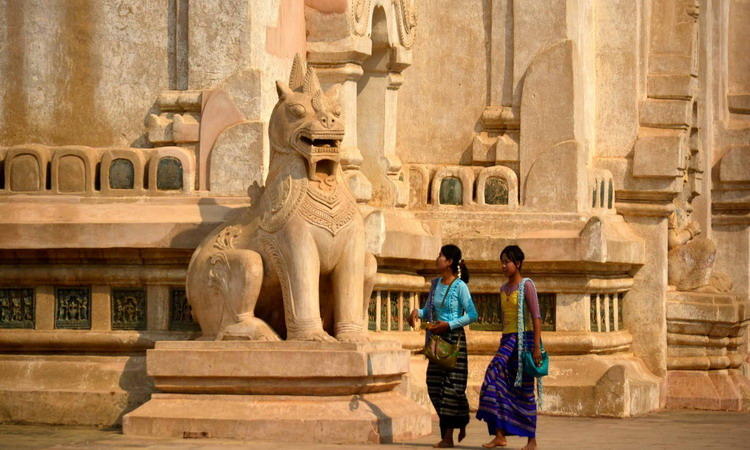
89 171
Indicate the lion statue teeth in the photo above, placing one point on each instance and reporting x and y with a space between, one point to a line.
294 265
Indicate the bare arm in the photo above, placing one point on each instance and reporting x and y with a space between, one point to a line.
532 303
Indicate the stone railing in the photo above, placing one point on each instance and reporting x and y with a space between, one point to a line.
493 187
389 309
79 170
601 187
606 312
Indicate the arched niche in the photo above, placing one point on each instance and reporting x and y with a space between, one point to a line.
419 186
171 170
490 184
444 186
73 170
122 172
26 169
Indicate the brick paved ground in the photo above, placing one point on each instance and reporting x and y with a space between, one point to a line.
666 430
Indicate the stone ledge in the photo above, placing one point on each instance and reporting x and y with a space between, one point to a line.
71 389
555 342
30 341
726 390
33 223
283 368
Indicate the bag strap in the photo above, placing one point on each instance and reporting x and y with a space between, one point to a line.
521 328
430 300
445 294
522 331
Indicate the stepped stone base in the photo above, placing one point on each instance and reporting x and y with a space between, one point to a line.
717 390
71 389
349 419
280 391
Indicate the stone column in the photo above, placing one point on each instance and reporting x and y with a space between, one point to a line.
644 311
347 75
157 308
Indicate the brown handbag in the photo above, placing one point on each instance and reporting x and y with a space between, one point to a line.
437 349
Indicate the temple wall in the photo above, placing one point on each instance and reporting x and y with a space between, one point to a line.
81 72
577 129
446 86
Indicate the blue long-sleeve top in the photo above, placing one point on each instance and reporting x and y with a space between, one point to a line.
456 307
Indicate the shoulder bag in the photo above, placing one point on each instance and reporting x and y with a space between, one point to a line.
437 349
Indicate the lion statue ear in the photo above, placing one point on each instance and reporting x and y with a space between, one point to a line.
297 75
283 90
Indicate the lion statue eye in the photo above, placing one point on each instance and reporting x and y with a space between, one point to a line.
337 111
298 110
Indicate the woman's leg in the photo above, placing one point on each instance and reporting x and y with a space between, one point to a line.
531 444
498 441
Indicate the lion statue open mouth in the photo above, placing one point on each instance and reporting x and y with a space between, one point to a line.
295 265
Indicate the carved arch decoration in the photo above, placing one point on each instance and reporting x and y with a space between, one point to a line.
109 159
466 177
504 173
73 170
25 168
361 12
186 161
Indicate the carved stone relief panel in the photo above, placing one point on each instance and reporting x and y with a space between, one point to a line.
180 313
73 307
451 191
17 308
128 309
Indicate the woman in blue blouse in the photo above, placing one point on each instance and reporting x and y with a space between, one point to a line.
453 310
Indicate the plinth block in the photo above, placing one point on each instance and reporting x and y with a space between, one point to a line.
279 391
351 419
283 368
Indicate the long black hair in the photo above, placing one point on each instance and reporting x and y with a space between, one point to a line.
514 254
458 266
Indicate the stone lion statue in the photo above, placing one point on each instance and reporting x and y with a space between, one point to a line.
691 257
295 264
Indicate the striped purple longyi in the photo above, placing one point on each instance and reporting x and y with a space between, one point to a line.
503 406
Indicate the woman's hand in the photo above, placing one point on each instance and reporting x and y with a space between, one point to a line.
413 318
439 327
537 356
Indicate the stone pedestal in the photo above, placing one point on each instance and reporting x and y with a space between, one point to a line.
282 391
704 342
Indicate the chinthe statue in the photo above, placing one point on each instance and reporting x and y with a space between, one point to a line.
295 264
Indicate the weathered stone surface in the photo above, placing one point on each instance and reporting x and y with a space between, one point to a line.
370 418
237 159
735 165
75 390
690 264
598 117
279 368
302 390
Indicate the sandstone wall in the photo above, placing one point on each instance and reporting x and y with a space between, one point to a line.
445 90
